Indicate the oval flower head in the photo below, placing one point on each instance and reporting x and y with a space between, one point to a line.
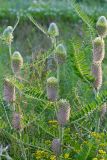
101 26
16 121
63 113
16 62
53 30
9 91
8 34
97 74
98 50
52 88
61 54
56 146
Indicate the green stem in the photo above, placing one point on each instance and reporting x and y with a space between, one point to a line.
58 72
96 93
10 53
58 77
97 128
18 19
10 50
22 147
14 108
61 135
53 40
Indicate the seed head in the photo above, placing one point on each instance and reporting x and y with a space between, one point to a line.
8 35
56 146
98 50
9 91
63 114
53 30
102 26
16 121
52 82
52 88
97 74
60 54
16 62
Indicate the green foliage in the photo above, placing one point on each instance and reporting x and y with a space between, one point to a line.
37 25
78 60
90 108
83 16
51 9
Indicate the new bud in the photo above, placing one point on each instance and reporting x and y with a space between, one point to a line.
16 62
56 146
53 30
102 26
61 54
52 88
98 50
8 34
63 114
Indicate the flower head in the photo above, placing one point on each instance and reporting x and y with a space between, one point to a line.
8 35
98 50
9 91
102 26
56 146
52 88
16 62
66 155
63 114
52 157
52 82
16 121
53 30
61 54
97 74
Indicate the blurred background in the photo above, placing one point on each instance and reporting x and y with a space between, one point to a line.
28 38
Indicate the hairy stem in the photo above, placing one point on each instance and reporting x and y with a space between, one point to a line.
61 135
18 19
10 50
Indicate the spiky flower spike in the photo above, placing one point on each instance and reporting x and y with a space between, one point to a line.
97 74
102 26
56 147
16 121
98 50
53 30
63 113
8 35
61 54
52 88
16 62
9 91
